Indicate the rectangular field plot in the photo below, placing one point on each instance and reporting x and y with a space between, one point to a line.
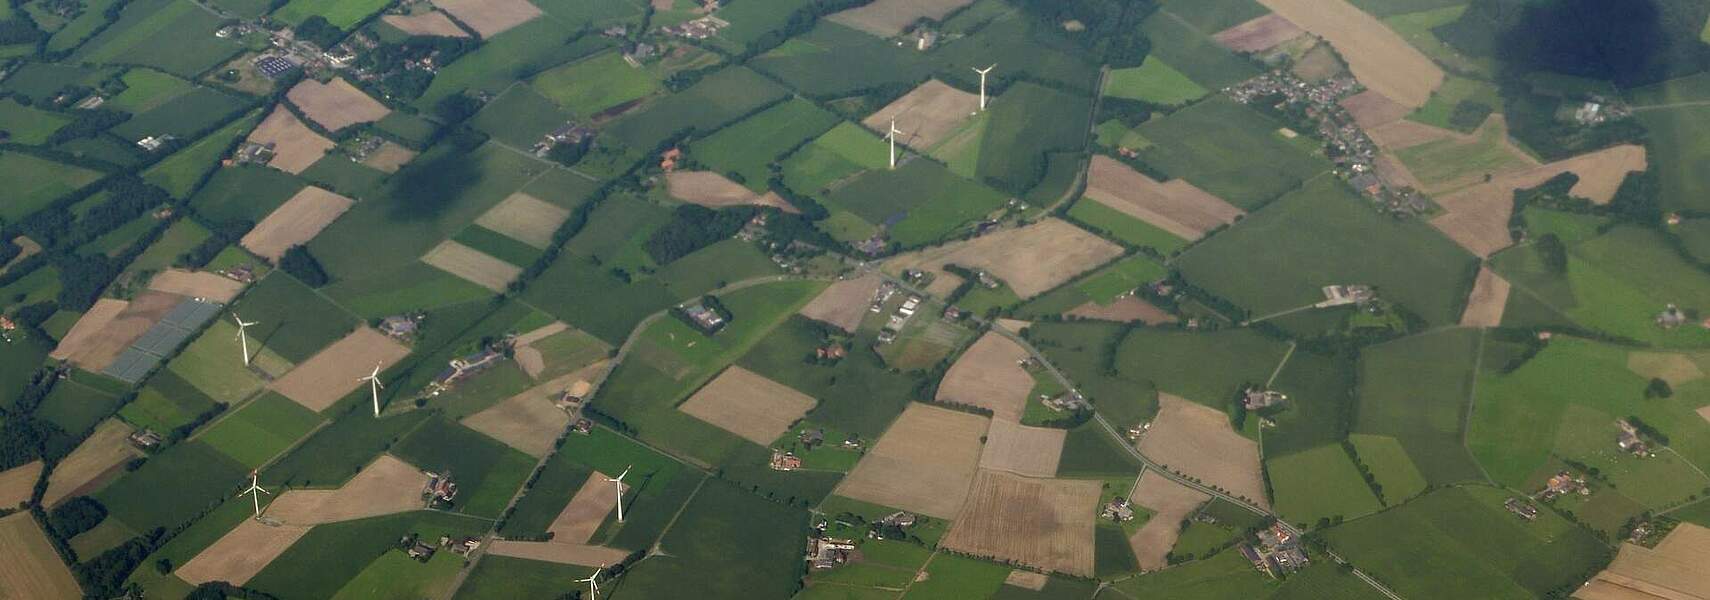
1416 390
596 84
334 372
1228 150
1320 483
39 182
1037 522
487 472
707 105
924 462
524 218
34 569
1029 259
1177 207
176 37
296 222
749 405
748 146
472 265
161 340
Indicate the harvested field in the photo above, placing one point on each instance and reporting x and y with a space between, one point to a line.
1485 304
1676 369
295 146
32 569
240 553
1027 580
335 105
90 334
1704 411
888 18
1126 309
472 265
923 463
1398 135
989 375
1031 259
1170 502
100 457
1044 523
561 553
386 486
1022 450
844 303
710 189
389 157
1015 325
28 248
1372 109
541 333
1477 217
1258 34
1195 439
748 404
926 115
336 370
296 222
582 516
1177 206
530 421
196 284
18 483
1390 169
489 17
97 348
1378 57
525 218
429 23
1674 569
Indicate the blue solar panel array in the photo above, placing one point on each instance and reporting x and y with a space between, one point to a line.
161 339
272 66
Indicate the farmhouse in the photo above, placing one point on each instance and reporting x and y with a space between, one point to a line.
1343 295
785 461
439 488
145 439
464 367
1278 552
829 553
1629 439
1256 398
1521 508
401 327
1562 484
1118 509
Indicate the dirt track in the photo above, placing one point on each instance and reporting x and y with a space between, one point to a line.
1485 304
1170 502
1031 259
923 463
1029 451
241 553
1259 34
1196 440
1379 58
196 284
844 303
386 486
987 375
748 405
335 105
927 115
334 371
295 146
1044 523
490 17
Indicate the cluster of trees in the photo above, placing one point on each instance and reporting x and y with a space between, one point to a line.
224 234
20 29
76 515
389 60
300 264
693 227
1112 27
318 31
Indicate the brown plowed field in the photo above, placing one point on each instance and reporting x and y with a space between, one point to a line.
1170 502
1489 296
1044 523
196 284
335 105
97 349
1674 569
240 553
295 222
923 463
389 157
561 553
386 486
529 421
989 375
749 405
89 332
1177 206
18 483
525 218
708 188
1258 34
844 303
489 17
1371 109
1379 58
1022 450
592 502
1195 439
1126 309
295 146
337 369
1477 216
926 115
429 23
1031 259
102 455
32 570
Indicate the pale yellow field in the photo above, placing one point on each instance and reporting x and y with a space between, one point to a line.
240 553
336 370
1379 58
100 456
386 486
748 405
989 375
1674 569
529 421
295 146
1488 299
1262 33
1170 502
844 303
583 514
18 483
926 115
31 569
335 105
561 553
472 265
1044 523
490 17
196 284
1176 206
1031 259
1016 448
295 222
525 218
923 463
428 23
1195 439
1477 216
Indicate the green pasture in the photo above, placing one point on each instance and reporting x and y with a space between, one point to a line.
244 192
487 472
577 12
951 576
516 54
340 13
179 173
832 60
502 577
38 183
925 201
1417 28
1228 150
716 266
659 485
76 407
104 148
596 84
712 102
1225 575
396 576
1415 390
1027 121
415 286
751 22
1082 350
330 557
172 487
1441 162
185 114
261 429
1616 283
1102 286
27 124
1153 81
1454 91
1207 368
292 319
41 80
558 481
180 237
165 403
1025 49
1192 51
581 292
497 245
616 231
1215 15
1394 470
748 147
176 37
1090 451
521 117
1321 483
335 453
730 543
214 362
857 395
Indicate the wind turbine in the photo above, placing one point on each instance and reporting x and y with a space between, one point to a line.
592 581
619 481
982 73
892 138
256 491
243 338
374 386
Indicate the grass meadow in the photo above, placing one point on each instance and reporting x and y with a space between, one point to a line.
488 473
857 395
730 543
1101 286
172 487
1207 368
521 116
502 577
748 147
179 173
923 201
330 556
716 100
593 85
1415 390
39 182
1321 483
1153 81
292 319
1192 52
1615 283
516 54
832 60
1394 470
261 429
335 453
1082 350
1228 150
1026 123
340 13
176 37
244 192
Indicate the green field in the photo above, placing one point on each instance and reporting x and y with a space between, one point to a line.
1417 28
1563 403
1027 122
520 117
166 403
1208 368
1082 350
41 80
180 237
596 84
925 201
832 60
843 151
1229 150
1216 15
396 576
1192 51
176 37
172 487
261 429
28 125
714 267
502 577
1090 451
1615 283
1321 483
1395 472
1445 161
497 245
561 478
330 557
180 173
715 100
1454 91
511 56
1277 259
244 192
1102 286
415 286
730 543
340 13
1416 390
292 320
1466 531
1226 575
582 293
1153 81
857 395
214 362
338 451
951 577
746 148
487 472
751 22
38 182
76 407
185 114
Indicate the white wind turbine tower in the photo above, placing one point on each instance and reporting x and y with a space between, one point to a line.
982 73
891 137
255 490
243 336
593 585
374 386
619 481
